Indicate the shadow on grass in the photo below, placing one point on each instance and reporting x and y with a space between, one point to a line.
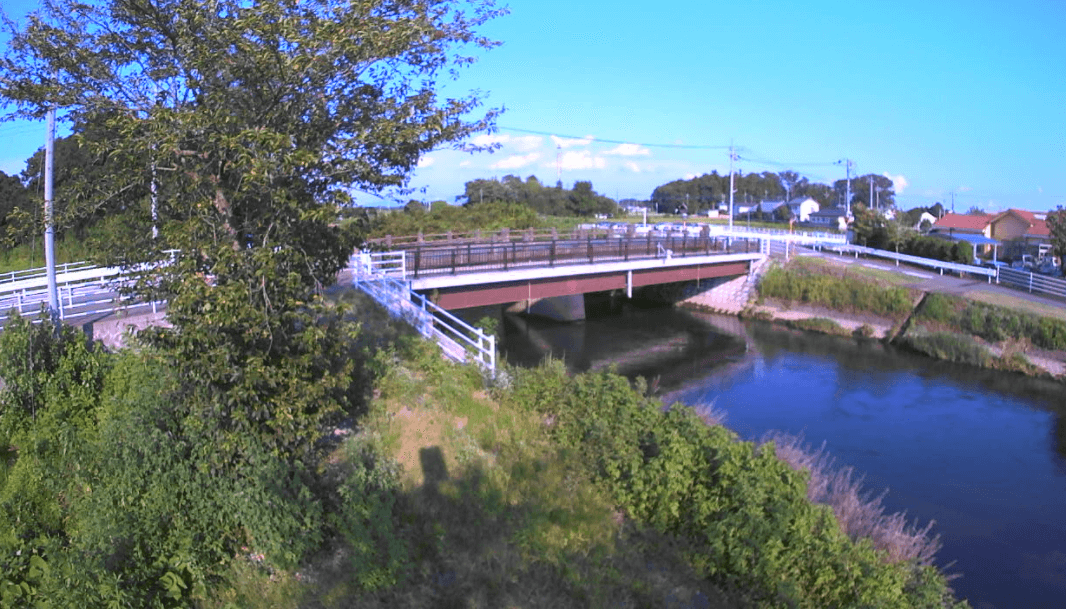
472 545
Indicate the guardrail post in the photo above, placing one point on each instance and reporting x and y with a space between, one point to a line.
590 248
1030 283
551 254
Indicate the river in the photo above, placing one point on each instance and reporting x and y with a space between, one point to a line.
982 453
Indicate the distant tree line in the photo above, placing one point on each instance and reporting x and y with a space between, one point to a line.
581 200
711 191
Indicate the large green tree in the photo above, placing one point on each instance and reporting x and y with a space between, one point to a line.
253 121
1056 222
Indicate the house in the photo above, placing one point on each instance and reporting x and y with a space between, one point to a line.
922 219
834 217
1023 232
800 209
767 207
803 208
975 229
972 224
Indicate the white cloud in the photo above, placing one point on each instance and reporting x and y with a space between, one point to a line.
526 143
487 139
426 161
630 165
564 143
628 150
899 183
516 161
1040 189
464 163
691 176
581 160
965 189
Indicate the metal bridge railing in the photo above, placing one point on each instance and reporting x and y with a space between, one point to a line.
382 275
435 259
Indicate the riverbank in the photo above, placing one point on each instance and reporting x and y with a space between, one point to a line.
835 299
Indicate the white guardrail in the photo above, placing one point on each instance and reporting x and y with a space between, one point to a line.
83 290
383 275
916 260
1033 282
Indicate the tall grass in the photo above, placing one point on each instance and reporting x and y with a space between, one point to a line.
860 512
841 293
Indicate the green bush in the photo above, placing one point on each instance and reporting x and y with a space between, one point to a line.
994 323
839 293
948 346
745 510
820 324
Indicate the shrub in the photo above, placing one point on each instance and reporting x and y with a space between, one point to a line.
948 346
818 324
840 293
745 509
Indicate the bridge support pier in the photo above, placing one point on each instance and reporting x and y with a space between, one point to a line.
558 308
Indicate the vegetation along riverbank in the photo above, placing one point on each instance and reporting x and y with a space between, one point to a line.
817 295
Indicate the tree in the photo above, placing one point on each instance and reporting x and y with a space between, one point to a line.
1056 223
254 121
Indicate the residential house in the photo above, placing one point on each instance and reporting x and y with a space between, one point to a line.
803 208
834 217
925 217
973 228
1022 232
800 209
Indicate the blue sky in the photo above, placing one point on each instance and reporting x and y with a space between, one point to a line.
965 97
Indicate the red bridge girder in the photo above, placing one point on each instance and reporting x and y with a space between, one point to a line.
463 297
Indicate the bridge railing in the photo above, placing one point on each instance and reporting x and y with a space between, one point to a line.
458 340
429 259
585 231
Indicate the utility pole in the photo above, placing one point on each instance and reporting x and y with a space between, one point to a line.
871 180
847 201
49 221
732 157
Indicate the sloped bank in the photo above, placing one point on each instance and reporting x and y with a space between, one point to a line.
937 325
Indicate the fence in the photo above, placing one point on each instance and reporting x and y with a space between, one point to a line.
1033 282
916 260
83 290
427 259
382 274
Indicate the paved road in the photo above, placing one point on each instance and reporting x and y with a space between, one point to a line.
930 281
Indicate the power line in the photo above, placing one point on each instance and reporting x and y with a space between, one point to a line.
610 141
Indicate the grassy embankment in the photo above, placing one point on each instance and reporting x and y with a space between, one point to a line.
559 491
954 328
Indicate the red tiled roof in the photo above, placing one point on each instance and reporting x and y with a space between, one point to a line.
1037 226
974 222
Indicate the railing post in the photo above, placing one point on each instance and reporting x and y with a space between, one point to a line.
453 260
551 254
418 260
589 237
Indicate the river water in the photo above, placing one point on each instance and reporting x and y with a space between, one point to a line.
982 453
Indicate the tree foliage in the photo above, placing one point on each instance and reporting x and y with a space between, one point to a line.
1056 223
252 121
581 200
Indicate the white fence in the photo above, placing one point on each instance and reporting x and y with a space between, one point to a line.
382 275
916 260
1033 282
83 290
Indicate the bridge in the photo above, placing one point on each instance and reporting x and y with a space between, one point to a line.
426 279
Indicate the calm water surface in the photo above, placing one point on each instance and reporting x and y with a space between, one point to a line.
979 452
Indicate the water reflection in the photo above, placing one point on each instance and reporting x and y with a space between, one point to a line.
981 452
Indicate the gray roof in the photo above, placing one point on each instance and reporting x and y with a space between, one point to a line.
832 212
